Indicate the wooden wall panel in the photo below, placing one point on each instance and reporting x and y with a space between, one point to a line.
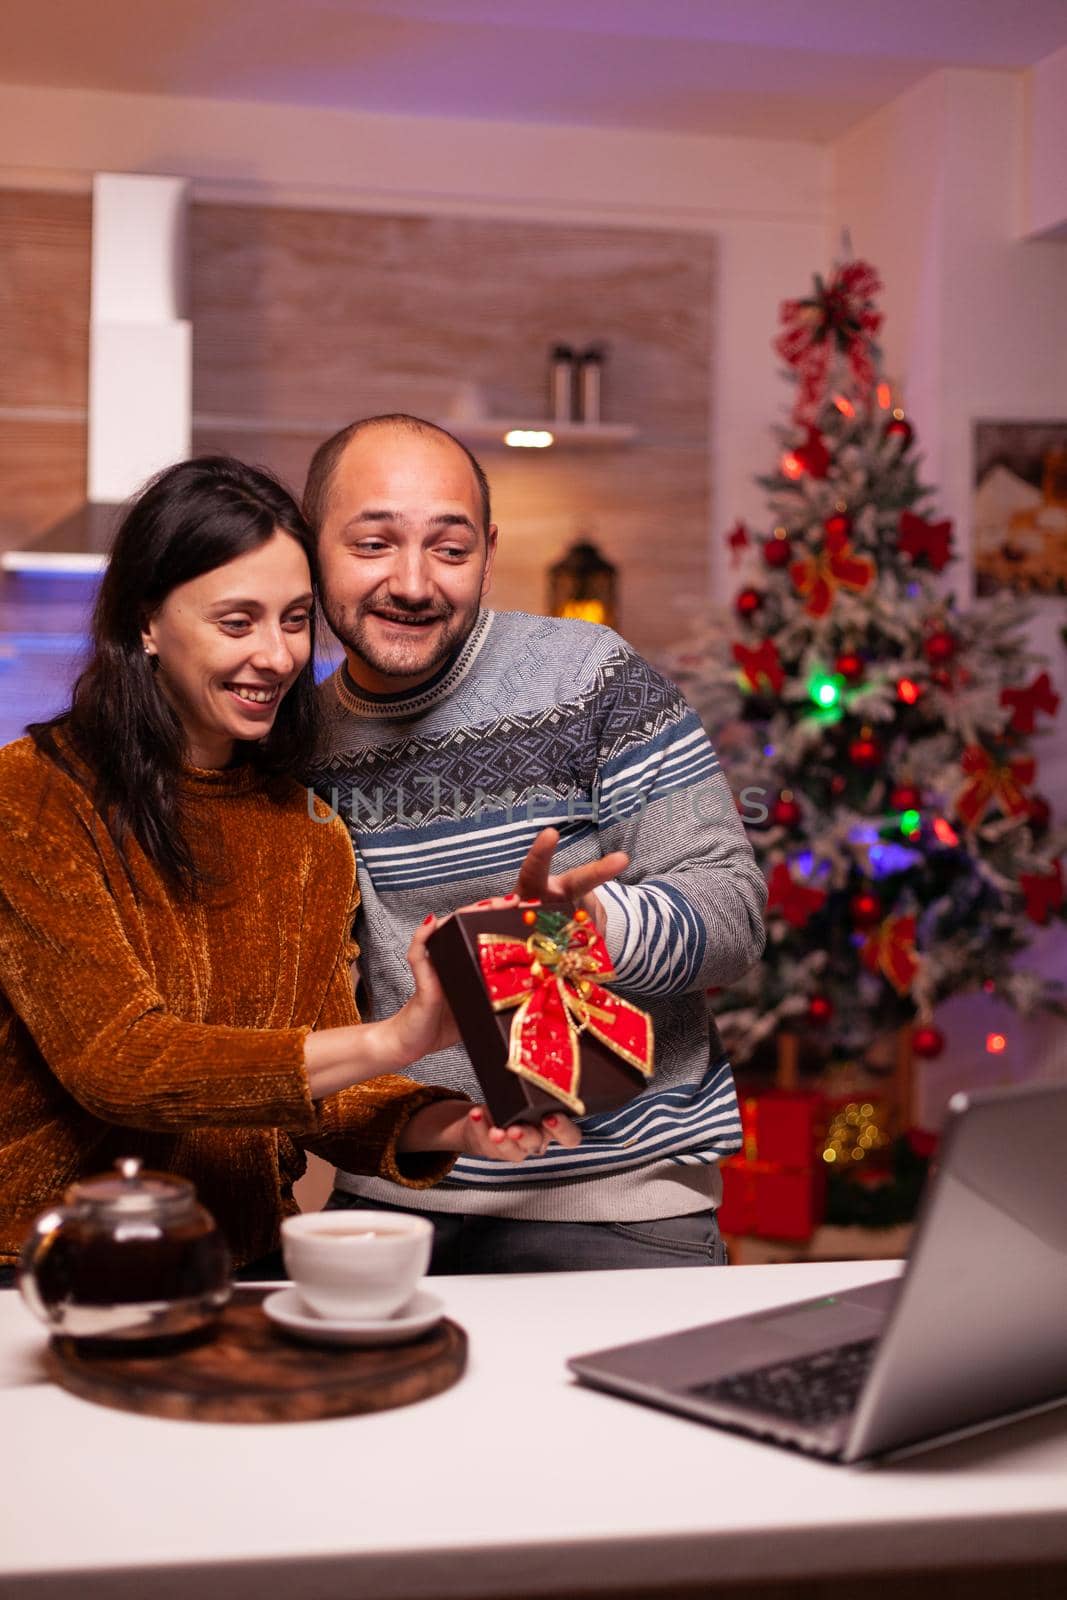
307 320
44 359
304 320
44 299
42 477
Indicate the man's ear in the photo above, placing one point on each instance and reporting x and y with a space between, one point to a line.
490 557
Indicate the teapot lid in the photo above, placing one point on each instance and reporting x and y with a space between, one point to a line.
130 1191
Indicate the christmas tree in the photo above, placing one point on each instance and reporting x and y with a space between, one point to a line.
876 737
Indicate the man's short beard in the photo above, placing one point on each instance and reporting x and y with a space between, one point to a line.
350 628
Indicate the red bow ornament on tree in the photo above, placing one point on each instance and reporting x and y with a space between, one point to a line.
933 540
1026 703
760 665
835 325
555 980
792 899
1043 893
836 566
891 951
990 780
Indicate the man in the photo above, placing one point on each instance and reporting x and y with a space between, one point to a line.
464 747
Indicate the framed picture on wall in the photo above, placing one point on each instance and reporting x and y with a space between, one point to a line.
1020 507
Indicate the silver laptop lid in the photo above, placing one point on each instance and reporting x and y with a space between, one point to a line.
979 1328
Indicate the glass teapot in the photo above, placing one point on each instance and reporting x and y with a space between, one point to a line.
130 1255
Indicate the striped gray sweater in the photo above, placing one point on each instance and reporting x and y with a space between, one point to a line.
542 722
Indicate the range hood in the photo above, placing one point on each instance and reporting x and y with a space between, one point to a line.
140 365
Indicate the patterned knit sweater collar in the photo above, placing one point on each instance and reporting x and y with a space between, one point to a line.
417 701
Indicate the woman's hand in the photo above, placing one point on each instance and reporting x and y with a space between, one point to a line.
458 1126
425 1023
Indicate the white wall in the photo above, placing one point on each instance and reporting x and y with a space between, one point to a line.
765 202
1046 146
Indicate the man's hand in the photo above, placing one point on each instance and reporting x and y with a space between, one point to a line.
537 882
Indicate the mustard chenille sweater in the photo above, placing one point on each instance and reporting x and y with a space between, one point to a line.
136 1023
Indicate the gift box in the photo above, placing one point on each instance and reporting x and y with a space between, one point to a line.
529 987
776 1189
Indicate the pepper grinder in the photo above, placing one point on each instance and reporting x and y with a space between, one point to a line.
561 383
590 369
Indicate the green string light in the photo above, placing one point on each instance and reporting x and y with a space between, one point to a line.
825 691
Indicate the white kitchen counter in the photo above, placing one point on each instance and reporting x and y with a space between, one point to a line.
516 1481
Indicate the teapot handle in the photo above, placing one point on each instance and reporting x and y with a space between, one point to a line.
39 1241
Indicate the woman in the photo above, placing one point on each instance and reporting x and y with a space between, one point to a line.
175 947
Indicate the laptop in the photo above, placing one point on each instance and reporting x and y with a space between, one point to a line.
974 1333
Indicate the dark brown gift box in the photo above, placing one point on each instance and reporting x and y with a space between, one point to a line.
607 1081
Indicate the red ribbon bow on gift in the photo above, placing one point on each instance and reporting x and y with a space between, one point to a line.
838 320
989 781
555 978
891 951
835 566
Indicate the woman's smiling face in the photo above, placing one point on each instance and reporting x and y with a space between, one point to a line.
231 643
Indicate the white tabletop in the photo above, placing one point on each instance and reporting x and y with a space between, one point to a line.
515 1480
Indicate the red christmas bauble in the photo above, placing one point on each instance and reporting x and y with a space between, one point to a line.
839 526
906 797
785 813
899 428
1039 813
928 1042
850 666
820 1009
777 552
865 909
939 647
865 752
838 784
748 602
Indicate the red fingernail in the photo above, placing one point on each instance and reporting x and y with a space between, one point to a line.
511 897
476 1115
551 1121
484 902
427 920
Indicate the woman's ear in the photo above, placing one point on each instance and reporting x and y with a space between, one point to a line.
147 637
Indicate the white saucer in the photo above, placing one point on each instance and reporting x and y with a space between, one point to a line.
288 1310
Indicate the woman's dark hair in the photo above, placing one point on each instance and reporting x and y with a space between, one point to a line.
192 518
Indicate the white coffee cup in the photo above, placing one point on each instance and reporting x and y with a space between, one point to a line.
356 1265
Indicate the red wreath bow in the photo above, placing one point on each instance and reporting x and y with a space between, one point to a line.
837 323
1026 703
554 981
836 566
890 949
991 780
761 664
933 540
1043 893
796 902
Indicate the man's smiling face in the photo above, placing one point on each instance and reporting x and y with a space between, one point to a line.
404 558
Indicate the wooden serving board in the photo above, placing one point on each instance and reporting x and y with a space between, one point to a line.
246 1370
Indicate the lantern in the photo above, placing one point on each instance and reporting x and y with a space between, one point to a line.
582 584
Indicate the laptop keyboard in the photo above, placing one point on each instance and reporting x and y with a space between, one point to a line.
809 1390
